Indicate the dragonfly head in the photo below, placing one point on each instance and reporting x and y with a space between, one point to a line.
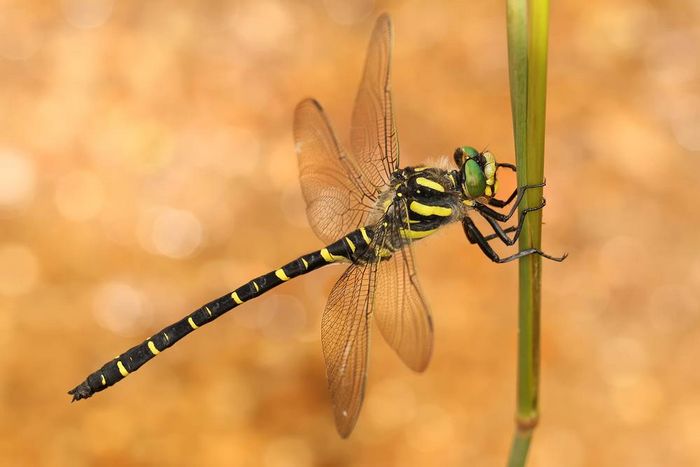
477 172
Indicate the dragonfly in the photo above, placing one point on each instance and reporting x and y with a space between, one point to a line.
368 211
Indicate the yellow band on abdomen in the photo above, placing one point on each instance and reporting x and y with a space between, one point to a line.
236 299
329 257
152 348
281 275
121 368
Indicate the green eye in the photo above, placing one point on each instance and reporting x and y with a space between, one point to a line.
474 179
469 152
464 153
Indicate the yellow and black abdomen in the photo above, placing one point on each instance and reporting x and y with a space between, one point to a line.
351 248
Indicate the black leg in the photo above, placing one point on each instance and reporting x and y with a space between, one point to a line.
475 236
490 237
506 165
517 194
501 233
503 203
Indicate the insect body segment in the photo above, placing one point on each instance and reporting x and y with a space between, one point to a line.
131 360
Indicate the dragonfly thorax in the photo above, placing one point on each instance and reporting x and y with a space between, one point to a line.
416 203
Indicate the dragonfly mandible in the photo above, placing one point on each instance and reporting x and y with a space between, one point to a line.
368 211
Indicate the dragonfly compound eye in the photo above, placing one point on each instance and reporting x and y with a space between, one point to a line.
473 179
463 154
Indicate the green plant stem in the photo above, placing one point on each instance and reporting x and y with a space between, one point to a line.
527 55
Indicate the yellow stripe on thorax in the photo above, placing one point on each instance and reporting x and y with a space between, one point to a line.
350 244
428 210
191 322
416 234
385 253
387 204
422 181
306 265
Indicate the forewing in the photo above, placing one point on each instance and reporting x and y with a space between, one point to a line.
373 137
335 203
400 310
345 341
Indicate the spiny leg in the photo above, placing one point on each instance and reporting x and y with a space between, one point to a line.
518 194
503 203
501 233
490 237
473 233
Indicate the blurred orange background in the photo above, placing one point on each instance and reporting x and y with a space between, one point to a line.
147 166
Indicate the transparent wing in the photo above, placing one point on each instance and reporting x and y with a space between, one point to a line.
340 189
345 340
373 137
336 202
400 310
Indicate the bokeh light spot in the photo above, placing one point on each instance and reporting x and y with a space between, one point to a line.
685 123
274 15
16 178
637 400
20 31
120 307
19 269
282 317
87 14
175 233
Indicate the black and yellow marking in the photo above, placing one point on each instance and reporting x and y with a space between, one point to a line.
433 185
429 205
349 248
281 275
429 210
152 348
